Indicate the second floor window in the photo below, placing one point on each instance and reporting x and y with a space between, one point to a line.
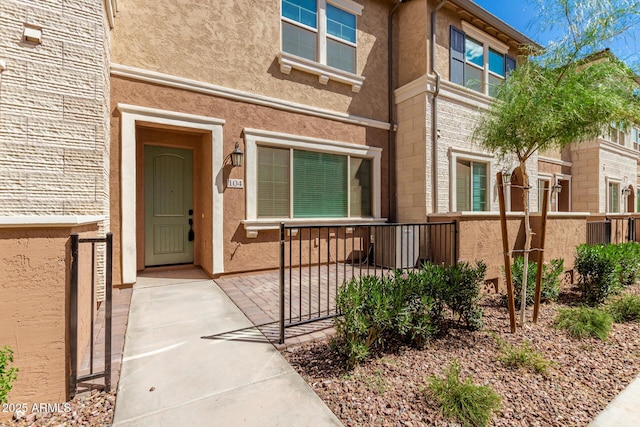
320 31
476 64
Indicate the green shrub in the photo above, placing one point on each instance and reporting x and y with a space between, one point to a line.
7 375
626 258
597 271
625 309
523 356
463 292
408 306
584 322
466 402
550 286
375 309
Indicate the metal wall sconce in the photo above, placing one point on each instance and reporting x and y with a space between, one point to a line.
626 191
236 156
506 178
557 188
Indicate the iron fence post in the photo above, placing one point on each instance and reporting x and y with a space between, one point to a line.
108 312
73 319
281 339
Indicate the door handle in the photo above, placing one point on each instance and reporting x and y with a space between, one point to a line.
192 235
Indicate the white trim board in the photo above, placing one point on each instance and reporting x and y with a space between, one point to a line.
255 137
237 95
132 114
24 221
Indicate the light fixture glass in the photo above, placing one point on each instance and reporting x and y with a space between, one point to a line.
506 178
236 156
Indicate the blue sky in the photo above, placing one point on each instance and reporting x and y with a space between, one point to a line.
519 13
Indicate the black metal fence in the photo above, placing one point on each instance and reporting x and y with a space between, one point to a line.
315 260
611 230
78 310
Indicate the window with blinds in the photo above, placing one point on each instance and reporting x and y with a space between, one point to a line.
309 184
471 186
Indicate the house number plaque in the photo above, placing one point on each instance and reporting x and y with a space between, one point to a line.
235 183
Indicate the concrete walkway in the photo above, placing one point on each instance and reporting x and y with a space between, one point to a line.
624 410
191 357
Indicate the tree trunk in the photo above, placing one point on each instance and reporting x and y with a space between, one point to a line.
527 240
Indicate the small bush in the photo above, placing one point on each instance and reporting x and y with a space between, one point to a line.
625 309
597 273
7 375
523 356
376 309
585 322
626 258
550 286
408 306
466 402
463 292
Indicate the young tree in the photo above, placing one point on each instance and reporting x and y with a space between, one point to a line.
567 93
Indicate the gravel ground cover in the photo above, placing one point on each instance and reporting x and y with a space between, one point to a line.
93 408
389 390
584 377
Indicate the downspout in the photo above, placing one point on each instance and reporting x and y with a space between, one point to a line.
392 124
434 112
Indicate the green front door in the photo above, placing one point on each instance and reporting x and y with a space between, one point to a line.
168 205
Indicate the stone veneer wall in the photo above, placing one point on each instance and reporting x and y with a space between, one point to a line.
594 163
54 165
54 98
54 104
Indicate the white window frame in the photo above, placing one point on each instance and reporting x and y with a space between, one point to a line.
562 177
320 68
487 42
608 182
635 142
545 177
256 137
454 156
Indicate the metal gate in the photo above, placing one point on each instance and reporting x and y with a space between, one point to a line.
78 309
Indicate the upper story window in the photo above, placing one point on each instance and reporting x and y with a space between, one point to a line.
616 134
320 31
635 138
477 60
320 37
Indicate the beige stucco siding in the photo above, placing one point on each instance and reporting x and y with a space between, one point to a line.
412 30
240 252
236 45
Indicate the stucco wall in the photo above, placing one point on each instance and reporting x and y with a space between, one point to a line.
235 45
480 237
412 35
240 253
34 284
